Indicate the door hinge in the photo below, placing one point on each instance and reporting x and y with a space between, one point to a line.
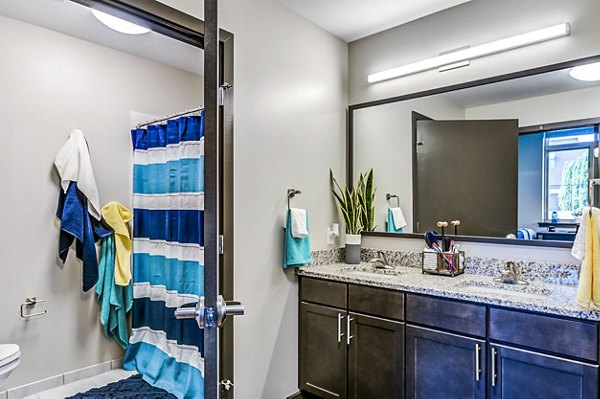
226 384
221 245
222 89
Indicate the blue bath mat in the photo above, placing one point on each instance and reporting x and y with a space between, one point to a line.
131 388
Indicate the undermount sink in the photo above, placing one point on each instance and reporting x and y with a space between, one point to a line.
369 271
504 290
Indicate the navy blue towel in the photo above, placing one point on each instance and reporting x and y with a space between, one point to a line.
131 388
76 224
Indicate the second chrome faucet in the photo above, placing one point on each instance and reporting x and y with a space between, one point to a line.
510 275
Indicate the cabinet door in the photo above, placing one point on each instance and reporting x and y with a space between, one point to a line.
323 350
521 374
375 358
443 365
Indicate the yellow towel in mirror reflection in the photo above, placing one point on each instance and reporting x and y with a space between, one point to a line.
588 291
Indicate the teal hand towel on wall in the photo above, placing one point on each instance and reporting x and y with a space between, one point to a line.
390 225
115 301
297 250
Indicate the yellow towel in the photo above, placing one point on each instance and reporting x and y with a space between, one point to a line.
118 217
588 291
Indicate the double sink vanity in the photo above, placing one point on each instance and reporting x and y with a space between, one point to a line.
374 332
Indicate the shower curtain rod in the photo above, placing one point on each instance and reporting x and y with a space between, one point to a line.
169 117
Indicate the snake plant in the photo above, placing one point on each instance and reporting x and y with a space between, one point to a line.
366 196
349 203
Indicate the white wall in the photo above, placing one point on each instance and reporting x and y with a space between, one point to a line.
290 100
290 128
383 141
472 23
50 84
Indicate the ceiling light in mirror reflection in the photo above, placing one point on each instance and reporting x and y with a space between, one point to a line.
118 24
510 43
587 73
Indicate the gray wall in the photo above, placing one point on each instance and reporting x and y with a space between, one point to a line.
52 83
472 23
290 101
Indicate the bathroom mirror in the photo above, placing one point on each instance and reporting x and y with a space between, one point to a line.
509 156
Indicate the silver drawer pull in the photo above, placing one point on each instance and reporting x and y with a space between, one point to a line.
494 375
340 333
477 362
348 336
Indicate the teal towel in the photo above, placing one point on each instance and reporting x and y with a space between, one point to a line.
297 250
390 226
115 301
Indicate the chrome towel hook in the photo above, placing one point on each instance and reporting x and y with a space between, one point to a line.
389 196
291 193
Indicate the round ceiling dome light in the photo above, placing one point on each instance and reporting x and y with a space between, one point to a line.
118 24
587 73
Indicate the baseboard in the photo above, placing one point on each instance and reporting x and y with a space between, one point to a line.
61 379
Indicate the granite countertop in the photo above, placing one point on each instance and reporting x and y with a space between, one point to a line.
555 299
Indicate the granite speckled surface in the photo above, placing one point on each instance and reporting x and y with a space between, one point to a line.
538 296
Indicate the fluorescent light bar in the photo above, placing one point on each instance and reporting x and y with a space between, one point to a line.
118 24
525 39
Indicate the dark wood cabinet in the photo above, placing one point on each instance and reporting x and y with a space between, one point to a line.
323 350
361 342
522 374
375 358
444 365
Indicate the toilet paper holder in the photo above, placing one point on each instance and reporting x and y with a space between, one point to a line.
30 303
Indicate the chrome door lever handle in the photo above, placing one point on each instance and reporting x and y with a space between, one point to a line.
204 315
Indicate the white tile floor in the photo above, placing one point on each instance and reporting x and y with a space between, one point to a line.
82 385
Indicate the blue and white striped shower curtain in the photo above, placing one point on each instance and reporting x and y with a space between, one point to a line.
168 255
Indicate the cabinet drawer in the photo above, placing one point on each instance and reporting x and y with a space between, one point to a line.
566 337
460 317
376 301
325 292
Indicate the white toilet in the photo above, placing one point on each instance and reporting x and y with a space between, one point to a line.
9 360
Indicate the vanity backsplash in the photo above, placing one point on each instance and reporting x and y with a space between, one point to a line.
546 272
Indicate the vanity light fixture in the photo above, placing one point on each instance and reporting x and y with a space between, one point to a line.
587 72
513 42
118 24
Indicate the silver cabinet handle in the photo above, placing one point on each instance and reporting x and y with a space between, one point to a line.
348 336
340 333
494 375
477 362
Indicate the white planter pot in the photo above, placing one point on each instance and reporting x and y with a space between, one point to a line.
353 242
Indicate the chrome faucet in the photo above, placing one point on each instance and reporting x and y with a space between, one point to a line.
381 261
510 275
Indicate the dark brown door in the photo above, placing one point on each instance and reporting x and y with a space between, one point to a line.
444 365
467 170
521 374
375 358
323 350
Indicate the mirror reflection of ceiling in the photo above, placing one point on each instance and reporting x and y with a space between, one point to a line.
76 20
518 89
354 19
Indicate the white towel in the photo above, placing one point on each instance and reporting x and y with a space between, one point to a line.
398 217
299 223
74 164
